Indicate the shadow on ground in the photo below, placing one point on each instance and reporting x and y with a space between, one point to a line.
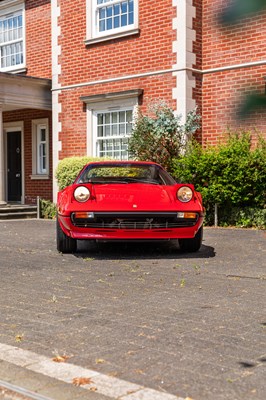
138 250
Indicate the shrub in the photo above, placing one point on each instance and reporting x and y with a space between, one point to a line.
68 169
47 209
160 136
232 174
246 217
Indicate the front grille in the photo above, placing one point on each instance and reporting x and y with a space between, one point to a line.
136 221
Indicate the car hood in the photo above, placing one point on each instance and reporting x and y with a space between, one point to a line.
132 197
127 197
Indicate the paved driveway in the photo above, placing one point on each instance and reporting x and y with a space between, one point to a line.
187 325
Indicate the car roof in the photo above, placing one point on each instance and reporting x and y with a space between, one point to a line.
106 162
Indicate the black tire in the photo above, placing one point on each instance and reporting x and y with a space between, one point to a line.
192 245
65 244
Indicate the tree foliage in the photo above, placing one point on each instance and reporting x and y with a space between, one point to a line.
235 13
239 9
159 136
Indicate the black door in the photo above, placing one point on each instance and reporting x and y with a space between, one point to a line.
14 166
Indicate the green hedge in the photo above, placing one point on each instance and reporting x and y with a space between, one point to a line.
47 209
68 169
232 175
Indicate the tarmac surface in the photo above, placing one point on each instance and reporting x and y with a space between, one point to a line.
134 321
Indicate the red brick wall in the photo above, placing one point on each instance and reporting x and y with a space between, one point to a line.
197 49
38 38
223 92
151 50
33 188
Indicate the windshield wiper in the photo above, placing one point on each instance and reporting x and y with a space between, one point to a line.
102 182
135 180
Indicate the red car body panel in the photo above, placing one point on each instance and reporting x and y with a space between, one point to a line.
134 199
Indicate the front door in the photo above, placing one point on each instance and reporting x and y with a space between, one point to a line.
14 166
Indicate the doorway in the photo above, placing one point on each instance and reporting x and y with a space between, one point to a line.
14 178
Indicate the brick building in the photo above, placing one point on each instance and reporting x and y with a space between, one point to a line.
72 74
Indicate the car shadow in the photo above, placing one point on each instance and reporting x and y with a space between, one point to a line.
138 250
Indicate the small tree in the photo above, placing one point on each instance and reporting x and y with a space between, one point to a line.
160 136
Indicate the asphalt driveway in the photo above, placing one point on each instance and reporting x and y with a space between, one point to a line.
190 325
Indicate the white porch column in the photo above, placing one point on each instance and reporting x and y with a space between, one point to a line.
2 160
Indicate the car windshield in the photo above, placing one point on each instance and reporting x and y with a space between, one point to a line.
125 173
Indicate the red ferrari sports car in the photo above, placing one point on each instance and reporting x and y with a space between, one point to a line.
128 200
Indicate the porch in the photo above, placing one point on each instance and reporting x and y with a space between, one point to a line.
23 101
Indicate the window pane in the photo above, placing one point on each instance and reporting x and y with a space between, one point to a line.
114 16
122 116
129 116
102 26
11 40
116 9
109 11
107 118
42 150
102 13
43 135
109 23
100 118
113 131
124 7
131 5
114 117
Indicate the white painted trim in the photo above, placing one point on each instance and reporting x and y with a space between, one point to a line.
92 34
8 8
56 86
34 132
185 58
162 72
104 106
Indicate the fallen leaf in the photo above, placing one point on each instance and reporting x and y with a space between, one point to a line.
100 361
81 381
60 359
182 283
131 352
139 371
19 338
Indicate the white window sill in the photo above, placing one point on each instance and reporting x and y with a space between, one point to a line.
39 177
112 36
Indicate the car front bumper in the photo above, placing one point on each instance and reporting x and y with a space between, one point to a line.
126 226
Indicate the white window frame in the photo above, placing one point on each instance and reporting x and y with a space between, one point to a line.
37 144
97 139
128 100
9 8
93 34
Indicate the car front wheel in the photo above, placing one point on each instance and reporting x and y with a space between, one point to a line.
65 244
192 245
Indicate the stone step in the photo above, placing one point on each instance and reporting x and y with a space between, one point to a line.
18 212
